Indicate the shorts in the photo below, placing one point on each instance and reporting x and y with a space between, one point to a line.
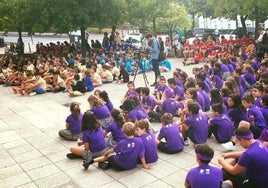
113 164
87 154
39 90
190 134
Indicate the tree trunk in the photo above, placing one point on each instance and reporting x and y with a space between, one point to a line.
243 22
83 40
154 26
257 21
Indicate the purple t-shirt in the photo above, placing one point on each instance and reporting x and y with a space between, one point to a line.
75 124
254 114
224 127
128 151
138 113
169 106
95 139
198 123
204 176
206 100
109 105
101 112
178 91
201 101
254 159
264 111
116 131
250 78
236 115
218 83
150 146
258 102
148 102
171 133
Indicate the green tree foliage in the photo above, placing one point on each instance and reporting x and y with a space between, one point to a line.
174 19
247 9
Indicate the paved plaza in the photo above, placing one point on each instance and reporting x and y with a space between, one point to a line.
33 155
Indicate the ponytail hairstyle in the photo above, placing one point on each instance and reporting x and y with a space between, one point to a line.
75 110
118 118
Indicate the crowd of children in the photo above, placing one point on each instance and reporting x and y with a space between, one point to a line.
214 101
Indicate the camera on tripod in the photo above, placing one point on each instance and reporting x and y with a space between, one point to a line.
142 65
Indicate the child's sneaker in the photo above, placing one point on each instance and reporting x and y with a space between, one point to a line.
72 156
33 93
87 163
186 142
229 146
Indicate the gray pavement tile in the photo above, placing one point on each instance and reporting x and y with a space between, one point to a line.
14 181
176 179
33 155
55 180
23 157
35 163
6 160
10 171
163 169
138 179
21 149
113 184
28 185
43 171
157 184
94 180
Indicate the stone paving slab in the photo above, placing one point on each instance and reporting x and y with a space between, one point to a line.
33 155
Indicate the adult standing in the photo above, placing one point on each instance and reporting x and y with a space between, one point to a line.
262 43
153 47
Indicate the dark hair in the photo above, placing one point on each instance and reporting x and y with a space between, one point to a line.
242 131
236 98
117 117
171 81
131 82
217 108
202 85
75 110
90 122
225 92
128 105
258 87
248 98
145 90
76 77
104 96
264 99
193 92
205 150
166 118
215 96
193 107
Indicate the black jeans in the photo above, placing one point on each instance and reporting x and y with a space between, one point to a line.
155 68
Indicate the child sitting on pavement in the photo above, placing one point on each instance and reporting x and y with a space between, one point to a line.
127 152
73 124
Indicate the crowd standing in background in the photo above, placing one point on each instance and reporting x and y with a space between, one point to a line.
230 85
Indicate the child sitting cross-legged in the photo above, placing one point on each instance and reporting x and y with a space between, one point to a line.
127 152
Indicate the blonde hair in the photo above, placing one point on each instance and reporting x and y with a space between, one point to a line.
95 101
129 129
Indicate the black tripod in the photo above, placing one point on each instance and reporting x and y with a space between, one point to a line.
139 66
